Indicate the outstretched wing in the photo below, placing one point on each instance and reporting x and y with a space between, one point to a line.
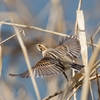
45 67
70 46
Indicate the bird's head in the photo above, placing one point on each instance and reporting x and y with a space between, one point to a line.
41 47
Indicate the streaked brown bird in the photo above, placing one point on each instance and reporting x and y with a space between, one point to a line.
56 60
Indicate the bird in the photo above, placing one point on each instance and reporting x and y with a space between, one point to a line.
56 60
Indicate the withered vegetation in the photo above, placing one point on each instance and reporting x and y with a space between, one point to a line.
20 31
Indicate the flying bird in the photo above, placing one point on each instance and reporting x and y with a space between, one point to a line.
56 60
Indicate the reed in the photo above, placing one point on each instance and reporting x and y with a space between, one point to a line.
27 30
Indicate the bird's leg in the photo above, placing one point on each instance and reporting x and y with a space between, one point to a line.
65 76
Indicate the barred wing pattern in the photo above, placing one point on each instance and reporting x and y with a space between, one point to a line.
48 67
52 63
45 67
70 46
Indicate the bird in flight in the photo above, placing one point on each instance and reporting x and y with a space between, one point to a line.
56 60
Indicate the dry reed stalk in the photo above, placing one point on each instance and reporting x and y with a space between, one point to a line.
61 91
97 79
57 34
0 52
70 86
91 91
92 61
25 53
79 85
34 28
98 45
11 37
74 90
40 29
94 67
90 81
91 78
97 31
95 45
94 55
75 32
55 94
92 44
76 23
82 37
94 77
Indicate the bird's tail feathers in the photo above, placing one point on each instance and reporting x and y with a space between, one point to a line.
77 66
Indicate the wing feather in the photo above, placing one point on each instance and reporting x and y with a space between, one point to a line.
70 46
45 67
50 64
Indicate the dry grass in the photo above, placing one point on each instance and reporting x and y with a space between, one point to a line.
0 52
23 20
28 63
84 53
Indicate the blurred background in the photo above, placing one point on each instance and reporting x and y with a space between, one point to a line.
54 15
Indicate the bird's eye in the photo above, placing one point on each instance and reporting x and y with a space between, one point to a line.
39 45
